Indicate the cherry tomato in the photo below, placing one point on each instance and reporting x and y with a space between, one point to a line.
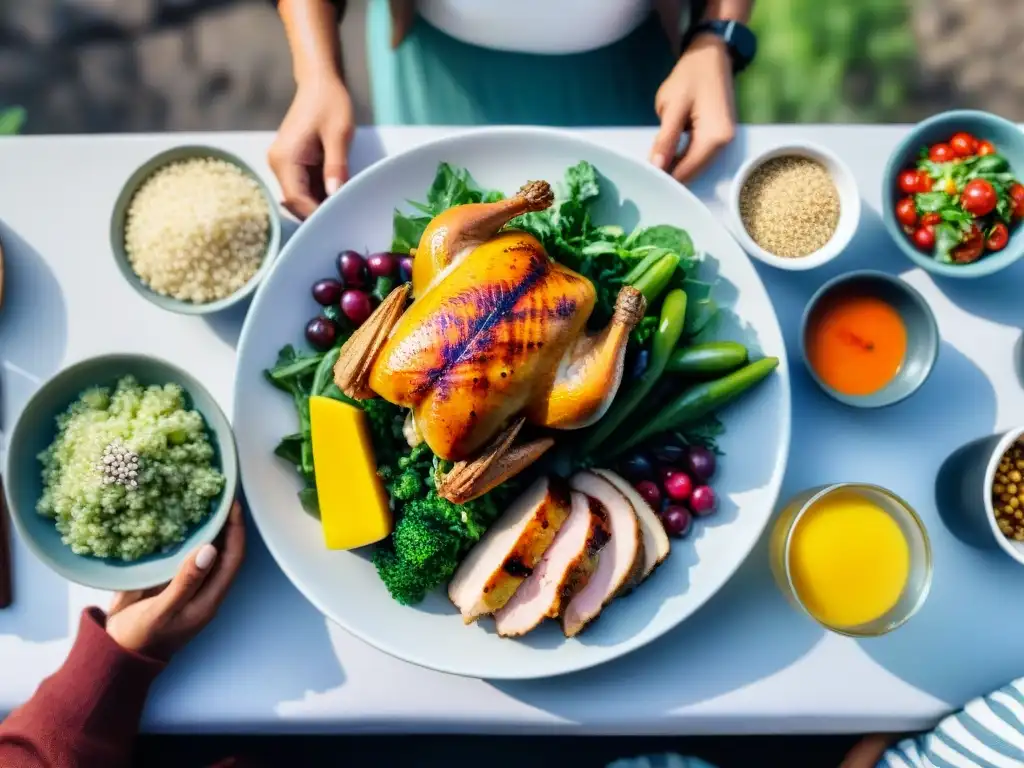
1016 193
979 198
909 181
998 237
924 182
963 144
949 187
941 153
985 148
906 211
931 219
970 248
924 238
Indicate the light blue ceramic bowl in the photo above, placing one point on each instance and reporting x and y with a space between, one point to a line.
35 430
119 216
922 334
1009 142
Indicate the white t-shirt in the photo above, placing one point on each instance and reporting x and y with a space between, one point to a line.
536 26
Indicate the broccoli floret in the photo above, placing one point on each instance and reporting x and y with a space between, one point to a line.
427 545
407 486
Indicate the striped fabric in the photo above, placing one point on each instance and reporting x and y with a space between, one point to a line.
988 733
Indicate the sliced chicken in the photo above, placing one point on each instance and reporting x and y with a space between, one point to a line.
510 550
564 570
620 561
656 541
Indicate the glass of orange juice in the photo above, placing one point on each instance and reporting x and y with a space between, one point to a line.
854 557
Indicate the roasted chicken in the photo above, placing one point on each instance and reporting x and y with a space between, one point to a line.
495 338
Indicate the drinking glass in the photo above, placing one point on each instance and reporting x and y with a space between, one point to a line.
919 578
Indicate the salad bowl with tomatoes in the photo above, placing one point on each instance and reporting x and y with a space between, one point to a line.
953 196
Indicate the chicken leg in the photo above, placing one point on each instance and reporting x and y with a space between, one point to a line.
459 230
352 371
588 376
498 462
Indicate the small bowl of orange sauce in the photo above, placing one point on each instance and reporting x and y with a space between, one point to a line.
869 339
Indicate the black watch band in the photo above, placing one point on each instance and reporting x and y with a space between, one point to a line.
738 38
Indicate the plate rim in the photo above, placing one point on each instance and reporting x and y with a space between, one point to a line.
618 650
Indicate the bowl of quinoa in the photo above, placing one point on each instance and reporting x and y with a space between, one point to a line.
794 207
119 467
194 230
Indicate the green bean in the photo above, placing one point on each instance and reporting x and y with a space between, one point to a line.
696 402
655 280
715 357
670 328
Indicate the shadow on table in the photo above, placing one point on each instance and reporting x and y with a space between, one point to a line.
958 645
269 642
996 298
749 606
33 341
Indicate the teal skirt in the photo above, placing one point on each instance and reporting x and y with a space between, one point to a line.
434 79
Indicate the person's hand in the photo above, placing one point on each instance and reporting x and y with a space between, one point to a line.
309 155
697 96
158 622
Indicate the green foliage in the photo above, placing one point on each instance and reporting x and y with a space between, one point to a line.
836 61
11 121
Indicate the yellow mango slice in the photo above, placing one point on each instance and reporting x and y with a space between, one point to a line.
354 508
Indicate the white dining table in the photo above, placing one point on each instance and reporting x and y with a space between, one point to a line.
745 663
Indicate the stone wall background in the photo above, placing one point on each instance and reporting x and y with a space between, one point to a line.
174 65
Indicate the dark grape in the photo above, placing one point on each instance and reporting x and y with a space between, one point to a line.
405 269
352 268
320 332
678 486
701 463
637 467
650 492
327 292
669 453
382 264
356 306
677 520
702 500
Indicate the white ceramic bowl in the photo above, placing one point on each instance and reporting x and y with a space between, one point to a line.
849 207
1014 549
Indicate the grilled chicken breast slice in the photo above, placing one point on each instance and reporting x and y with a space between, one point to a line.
564 570
620 561
510 550
656 542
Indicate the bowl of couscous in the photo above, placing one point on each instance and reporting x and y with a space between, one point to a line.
119 467
794 207
194 230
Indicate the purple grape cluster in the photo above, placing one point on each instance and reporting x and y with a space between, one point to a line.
675 481
350 298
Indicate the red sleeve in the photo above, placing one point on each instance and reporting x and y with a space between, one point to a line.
87 714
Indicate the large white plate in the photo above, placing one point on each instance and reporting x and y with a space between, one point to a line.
344 585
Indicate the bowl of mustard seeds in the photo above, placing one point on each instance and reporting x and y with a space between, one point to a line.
794 207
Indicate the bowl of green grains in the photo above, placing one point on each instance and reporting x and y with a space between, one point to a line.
118 468
794 207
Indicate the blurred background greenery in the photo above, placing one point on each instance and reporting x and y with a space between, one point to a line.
155 65
835 61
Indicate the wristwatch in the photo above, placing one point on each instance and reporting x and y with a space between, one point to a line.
738 38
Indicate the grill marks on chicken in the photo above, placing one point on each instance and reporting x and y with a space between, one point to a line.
496 334
469 354
510 549
563 571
